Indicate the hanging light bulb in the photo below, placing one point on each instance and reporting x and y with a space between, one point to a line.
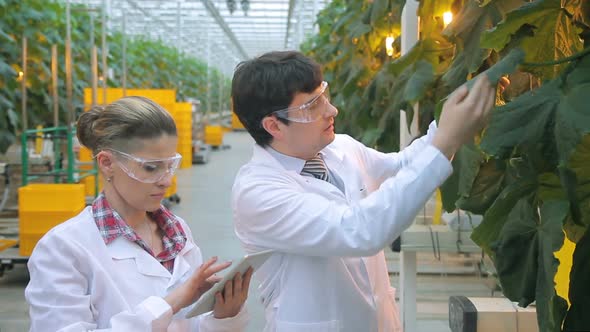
447 18
231 6
389 45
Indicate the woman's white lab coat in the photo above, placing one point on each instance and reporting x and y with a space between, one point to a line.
79 284
330 272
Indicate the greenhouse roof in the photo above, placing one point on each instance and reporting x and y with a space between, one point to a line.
207 29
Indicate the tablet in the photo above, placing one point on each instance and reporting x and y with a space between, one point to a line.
207 300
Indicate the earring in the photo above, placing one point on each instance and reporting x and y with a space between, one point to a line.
109 179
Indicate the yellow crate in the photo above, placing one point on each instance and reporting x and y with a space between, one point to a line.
183 107
160 96
184 135
89 185
50 197
235 122
112 95
164 97
173 188
213 135
184 145
42 221
27 242
85 154
183 115
186 162
33 225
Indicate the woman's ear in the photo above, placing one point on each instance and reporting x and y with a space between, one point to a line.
273 126
105 161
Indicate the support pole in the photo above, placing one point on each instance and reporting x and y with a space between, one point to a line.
105 51
410 36
54 85
23 86
69 102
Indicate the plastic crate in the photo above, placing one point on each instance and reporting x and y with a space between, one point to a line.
214 135
42 206
173 188
51 197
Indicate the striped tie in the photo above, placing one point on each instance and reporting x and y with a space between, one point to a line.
317 168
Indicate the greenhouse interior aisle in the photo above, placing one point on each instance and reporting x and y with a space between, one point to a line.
205 194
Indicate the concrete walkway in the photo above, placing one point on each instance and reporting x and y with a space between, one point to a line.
205 204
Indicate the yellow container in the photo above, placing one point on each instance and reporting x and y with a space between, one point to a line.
89 185
214 135
85 154
50 197
173 188
187 162
235 122
164 97
41 206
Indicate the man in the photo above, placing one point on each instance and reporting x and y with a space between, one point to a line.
326 203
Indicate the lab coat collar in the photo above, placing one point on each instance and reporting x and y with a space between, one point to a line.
181 265
263 156
122 248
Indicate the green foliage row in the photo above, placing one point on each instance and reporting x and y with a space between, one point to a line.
150 64
528 173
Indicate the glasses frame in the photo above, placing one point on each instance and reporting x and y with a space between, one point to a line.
282 113
176 160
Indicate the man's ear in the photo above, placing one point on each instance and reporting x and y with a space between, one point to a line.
273 126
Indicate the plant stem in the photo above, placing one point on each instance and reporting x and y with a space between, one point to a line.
559 61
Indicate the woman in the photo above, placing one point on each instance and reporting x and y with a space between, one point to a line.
126 263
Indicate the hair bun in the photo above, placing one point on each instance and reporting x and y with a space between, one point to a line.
85 127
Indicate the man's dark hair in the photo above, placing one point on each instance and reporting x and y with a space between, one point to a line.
269 83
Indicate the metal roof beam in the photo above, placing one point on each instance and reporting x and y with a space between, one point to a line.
221 22
289 16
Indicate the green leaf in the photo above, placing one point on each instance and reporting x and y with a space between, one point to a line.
378 10
579 192
485 188
505 66
466 29
419 82
519 181
524 120
525 262
12 118
554 34
573 119
466 165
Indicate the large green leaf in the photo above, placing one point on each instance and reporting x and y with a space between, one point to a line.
466 30
554 35
524 259
485 188
466 163
520 180
419 82
524 120
573 119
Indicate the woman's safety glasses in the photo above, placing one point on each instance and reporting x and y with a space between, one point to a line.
311 111
147 170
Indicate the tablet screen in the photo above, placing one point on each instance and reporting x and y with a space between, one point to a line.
206 302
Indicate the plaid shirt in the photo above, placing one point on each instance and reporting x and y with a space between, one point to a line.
111 226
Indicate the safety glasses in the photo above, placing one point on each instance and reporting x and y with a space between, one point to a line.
311 111
147 170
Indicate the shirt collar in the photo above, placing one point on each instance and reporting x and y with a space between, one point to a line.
111 226
288 162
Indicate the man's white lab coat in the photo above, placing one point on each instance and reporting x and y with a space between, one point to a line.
329 273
